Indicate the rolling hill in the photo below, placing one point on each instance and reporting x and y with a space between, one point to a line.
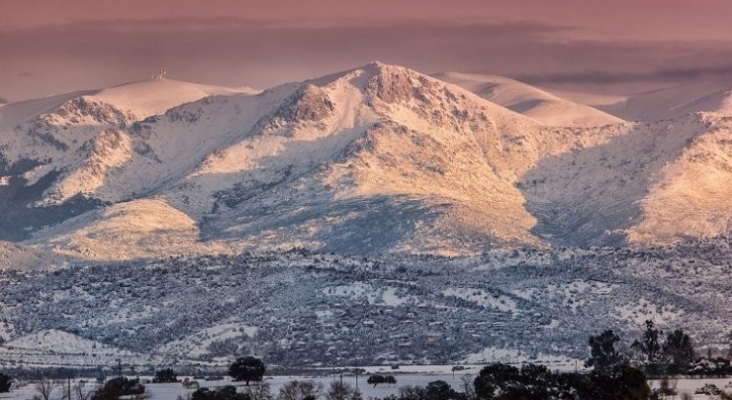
531 101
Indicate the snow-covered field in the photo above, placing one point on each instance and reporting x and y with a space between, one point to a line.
420 376
690 385
171 391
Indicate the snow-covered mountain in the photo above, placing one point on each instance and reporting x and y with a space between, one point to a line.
704 95
529 100
375 159
653 101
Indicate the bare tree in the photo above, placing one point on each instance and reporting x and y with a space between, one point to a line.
260 392
45 388
81 393
300 390
342 391
468 387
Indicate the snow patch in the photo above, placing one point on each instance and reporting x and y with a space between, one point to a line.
483 298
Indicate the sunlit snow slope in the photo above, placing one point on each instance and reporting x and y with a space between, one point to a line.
530 101
375 159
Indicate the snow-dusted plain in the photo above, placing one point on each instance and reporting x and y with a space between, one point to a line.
417 377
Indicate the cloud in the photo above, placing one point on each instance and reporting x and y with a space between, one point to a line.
604 77
263 53
235 51
694 72
217 24
24 75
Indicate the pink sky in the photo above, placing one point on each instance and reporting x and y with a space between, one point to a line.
51 46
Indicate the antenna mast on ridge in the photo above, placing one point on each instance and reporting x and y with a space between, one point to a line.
160 74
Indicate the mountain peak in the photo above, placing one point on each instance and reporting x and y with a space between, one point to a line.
378 67
334 162
155 96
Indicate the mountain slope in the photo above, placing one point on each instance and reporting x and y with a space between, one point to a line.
376 159
530 101
694 197
315 146
144 228
371 160
658 184
22 257
57 153
312 308
703 95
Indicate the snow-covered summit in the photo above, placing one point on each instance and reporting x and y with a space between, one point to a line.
378 158
156 96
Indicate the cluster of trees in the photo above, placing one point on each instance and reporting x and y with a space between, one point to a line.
118 387
342 391
718 367
166 375
225 393
300 390
294 390
113 389
377 379
251 369
672 357
537 382
436 390
612 378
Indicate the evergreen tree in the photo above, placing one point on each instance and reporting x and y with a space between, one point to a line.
119 387
603 355
649 344
165 376
678 351
650 347
440 390
5 383
247 369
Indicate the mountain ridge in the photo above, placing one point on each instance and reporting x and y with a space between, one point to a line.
375 159
540 104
